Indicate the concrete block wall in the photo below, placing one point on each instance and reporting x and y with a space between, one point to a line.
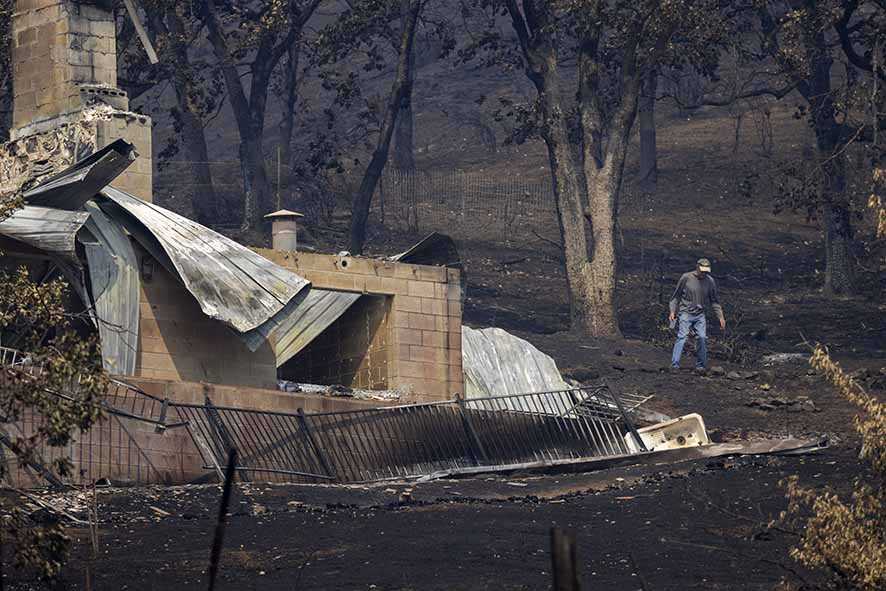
117 448
65 72
136 129
355 351
57 46
178 342
418 336
425 316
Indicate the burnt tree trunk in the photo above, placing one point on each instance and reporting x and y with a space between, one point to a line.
404 134
250 112
204 199
587 233
287 121
648 177
249 118
839 270
569 199
831 147
814 84
605 146
257 194
400 88
404 138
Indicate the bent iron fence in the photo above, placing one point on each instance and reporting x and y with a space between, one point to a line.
412 440
358 445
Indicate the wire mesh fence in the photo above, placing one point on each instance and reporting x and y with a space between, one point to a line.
464 204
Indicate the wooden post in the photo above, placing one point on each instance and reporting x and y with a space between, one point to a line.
563 561
218 540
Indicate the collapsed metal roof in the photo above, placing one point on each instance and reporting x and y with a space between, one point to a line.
73 187
232 284
113 274
307 315
50 230
496 362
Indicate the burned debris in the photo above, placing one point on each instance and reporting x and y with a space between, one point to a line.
326 396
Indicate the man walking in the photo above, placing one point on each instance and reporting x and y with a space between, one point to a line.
695 290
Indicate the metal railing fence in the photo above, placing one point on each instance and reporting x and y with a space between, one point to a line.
368 444
411 440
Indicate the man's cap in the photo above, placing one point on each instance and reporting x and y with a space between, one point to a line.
704 265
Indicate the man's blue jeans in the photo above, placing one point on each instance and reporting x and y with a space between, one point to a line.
698 324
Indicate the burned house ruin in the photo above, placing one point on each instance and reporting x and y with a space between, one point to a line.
190 304
198 330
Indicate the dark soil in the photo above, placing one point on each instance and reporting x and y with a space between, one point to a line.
698 525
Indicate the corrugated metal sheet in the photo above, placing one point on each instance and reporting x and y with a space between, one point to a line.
114 278
306 316
47 229
74 186
496 363
231 283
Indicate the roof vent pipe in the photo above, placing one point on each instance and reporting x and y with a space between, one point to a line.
284 229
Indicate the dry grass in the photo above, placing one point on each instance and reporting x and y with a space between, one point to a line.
847 536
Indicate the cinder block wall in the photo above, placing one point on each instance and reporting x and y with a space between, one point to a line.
425 314
65 64
418 335
136 129
57 46
178 342
355 351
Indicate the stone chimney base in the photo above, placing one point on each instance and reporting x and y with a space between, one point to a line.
39 152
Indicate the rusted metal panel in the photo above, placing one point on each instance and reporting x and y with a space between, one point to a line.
74 186
113 273
231 283
44 228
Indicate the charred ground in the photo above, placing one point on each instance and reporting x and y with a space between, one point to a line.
695 525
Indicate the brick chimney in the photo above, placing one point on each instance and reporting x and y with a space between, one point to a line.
65 97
